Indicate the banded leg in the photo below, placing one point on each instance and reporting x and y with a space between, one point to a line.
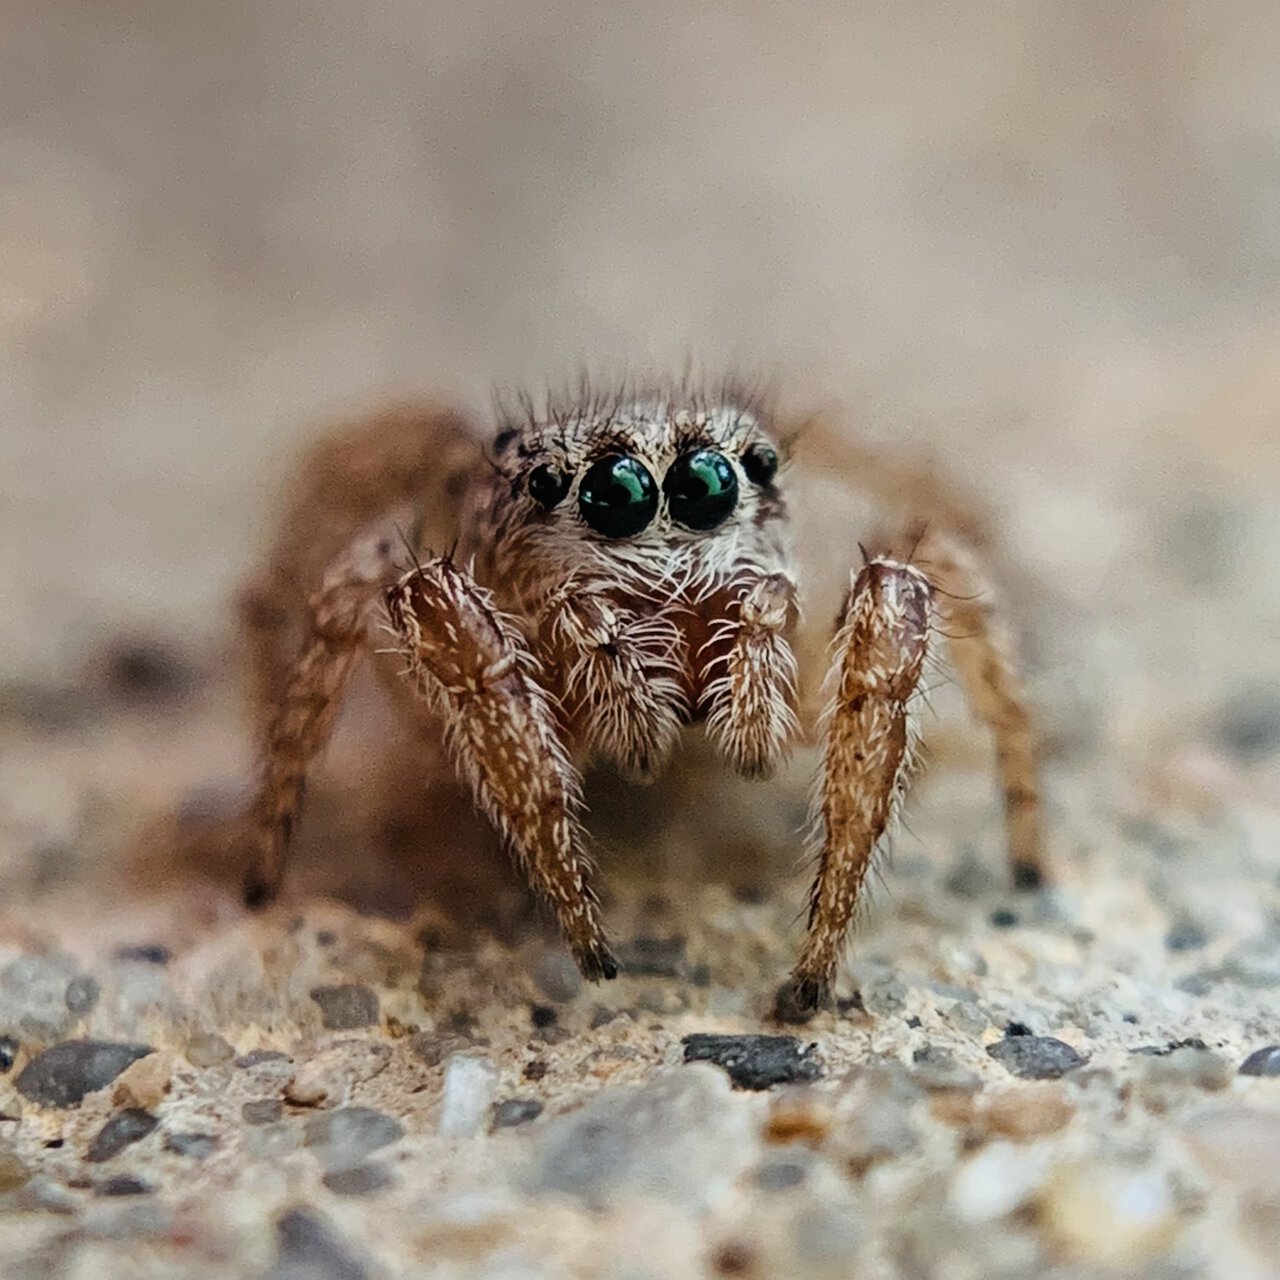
981 649
749 682
624 689
304 712
882 643
472 666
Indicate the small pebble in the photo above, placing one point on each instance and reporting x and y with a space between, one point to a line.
469 1085
13 1170
1262 1062
271 1141
33 997
1186 936
1035 1057
967 1018
363 1180
199 1146
1109 1218
262 1111
601 1017
780 1175
63 1075
124 1184
535 1070
1003 918
309 1247
884 995
557 977
1171 1046
433 1047
82 994
543 1016
937 1068
1250 724
205 1049
122 1130
256 1057
754 1061
144 1083
513 1111
342 1139
144 953
347 1006
8 1053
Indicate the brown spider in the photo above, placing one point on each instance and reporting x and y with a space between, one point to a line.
620 569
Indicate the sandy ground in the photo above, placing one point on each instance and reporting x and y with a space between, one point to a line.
1037 243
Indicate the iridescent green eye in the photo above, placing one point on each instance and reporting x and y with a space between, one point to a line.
701 489
617 496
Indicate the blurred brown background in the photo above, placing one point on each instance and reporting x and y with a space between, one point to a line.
1041 241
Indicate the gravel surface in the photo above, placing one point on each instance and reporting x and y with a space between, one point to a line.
1040 248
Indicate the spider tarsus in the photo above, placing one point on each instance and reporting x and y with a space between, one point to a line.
1027 876
598 964
798 999
258 892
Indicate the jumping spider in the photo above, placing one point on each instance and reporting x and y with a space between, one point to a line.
620 569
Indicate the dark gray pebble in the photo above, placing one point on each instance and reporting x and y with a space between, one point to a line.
755 1062
62 1075
1035 1057
543 1015
1262 1062
124 1184
347 1006
1186 935
433 1047
310 1248
1171 1046
122 1130
262 1111
82 994
199 1146
780 1175
343 1138
144 953
1250 724
258 1056
558 978
652 957
8 1053
360 1181
513 1111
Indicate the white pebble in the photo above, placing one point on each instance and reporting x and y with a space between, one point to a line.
470 1083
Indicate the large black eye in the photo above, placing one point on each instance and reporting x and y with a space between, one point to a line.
701 489
617 496
547 486
760 462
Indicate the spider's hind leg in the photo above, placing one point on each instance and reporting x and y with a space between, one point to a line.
882 645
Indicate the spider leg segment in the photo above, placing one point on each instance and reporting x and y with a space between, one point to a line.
623 690
303 714
881 646
981 650
472 666
749 682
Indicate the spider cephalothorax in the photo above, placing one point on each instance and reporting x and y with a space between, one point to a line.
629 573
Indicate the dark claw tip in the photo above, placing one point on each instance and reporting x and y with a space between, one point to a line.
258 892
598 965
799 999
1026 875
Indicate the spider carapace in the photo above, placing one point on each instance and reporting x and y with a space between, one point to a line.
618 568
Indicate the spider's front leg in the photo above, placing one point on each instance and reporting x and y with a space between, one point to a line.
882 643
472 666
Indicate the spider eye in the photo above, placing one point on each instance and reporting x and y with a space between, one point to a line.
760 462
617 496
547 486
701 489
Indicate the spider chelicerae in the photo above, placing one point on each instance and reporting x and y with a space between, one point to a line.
619 568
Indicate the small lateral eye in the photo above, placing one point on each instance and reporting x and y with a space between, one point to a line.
617 496
547 486
760 462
